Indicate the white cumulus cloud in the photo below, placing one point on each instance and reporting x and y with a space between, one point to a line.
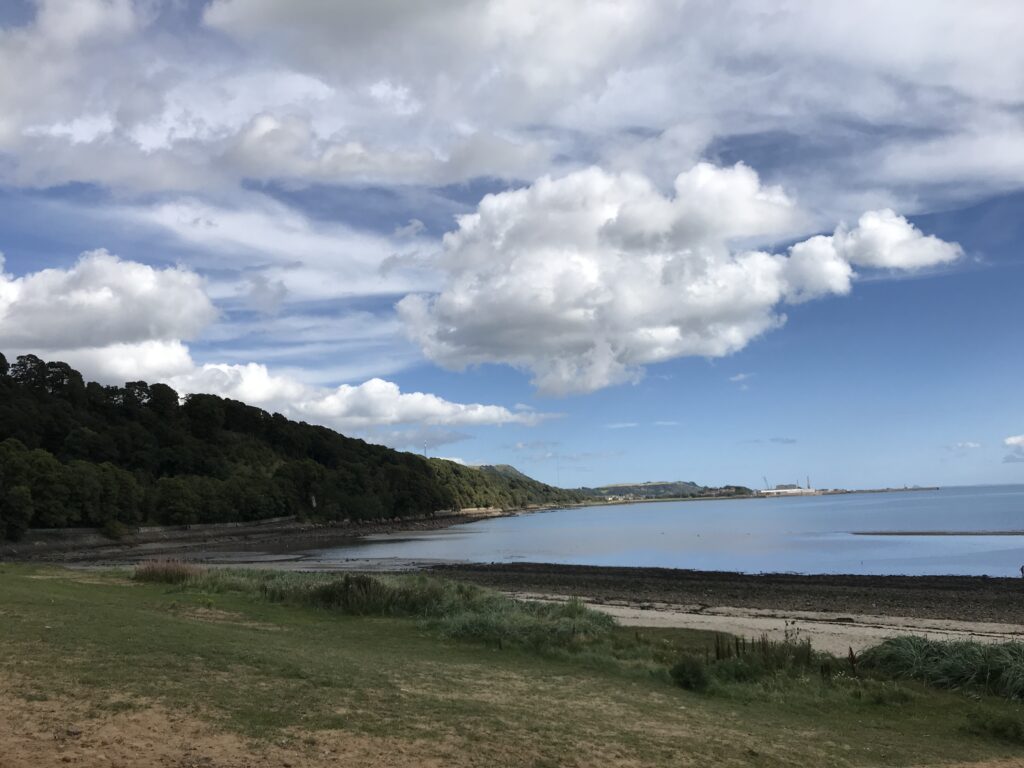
584 279
99 301
116 363
374 403
119 320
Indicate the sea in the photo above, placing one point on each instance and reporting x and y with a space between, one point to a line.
962 530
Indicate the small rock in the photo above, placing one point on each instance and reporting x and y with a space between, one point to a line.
73 731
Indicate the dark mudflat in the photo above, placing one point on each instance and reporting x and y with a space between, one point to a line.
964 598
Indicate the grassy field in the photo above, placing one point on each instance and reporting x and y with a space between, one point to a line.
219 673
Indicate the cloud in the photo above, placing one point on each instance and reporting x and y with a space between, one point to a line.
265 295
374 403
414 438
966 445
740 377
99 301
370 409
120 320
117 363
1016 445
883 239
290 148
413 56
411 229
141 96
300 258
622 425
775 440
584 279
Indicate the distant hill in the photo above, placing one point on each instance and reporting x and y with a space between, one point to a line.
82 454
679 489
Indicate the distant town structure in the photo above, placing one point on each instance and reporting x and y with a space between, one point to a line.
790 489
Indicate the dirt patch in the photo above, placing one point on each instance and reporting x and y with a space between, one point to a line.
64 731
83 577
217 616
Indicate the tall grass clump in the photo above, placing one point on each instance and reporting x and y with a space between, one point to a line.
568 626
739 660
955 664
168 571
455 609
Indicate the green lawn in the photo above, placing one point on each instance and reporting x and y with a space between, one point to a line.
283 673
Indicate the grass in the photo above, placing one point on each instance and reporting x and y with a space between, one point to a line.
291 657
1000 725
167 571
455 609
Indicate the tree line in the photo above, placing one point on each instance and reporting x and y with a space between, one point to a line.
77 453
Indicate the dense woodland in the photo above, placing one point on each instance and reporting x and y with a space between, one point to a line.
82 454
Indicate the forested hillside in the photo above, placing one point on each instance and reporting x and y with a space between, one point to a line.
82 454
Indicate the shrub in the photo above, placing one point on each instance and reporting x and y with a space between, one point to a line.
538 626
740 669
356 594
690 673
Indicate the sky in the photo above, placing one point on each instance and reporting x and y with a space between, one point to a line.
602 241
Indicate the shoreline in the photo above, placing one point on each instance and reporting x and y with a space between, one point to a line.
830 608
85 545
961 598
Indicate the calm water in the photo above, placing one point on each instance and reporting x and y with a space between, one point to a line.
813 534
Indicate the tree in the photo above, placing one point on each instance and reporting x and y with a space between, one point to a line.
30 372
163 401
86 454
16 511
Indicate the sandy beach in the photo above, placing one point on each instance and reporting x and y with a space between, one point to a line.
836 612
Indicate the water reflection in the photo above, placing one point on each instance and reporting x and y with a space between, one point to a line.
804 535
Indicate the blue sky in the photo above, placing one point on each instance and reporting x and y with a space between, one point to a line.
600 241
